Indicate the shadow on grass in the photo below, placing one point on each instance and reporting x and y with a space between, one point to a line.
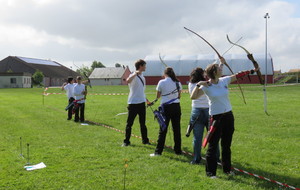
239 178
284 179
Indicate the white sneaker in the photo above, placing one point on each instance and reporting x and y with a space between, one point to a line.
213 177
231 173
155 154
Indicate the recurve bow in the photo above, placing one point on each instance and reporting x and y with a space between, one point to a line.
250 57
219 58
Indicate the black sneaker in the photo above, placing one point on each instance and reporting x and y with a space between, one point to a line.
148 143
125 144
195 162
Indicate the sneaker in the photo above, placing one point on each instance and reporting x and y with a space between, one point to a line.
178 153
125 144
231 173
148 143
154 154
211 176
193 162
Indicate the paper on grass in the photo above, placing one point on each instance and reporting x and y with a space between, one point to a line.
35 167
121 113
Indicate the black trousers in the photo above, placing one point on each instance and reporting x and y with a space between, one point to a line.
224 131
79 109
173 114
133 111
70 108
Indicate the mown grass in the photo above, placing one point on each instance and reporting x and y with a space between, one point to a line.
90 157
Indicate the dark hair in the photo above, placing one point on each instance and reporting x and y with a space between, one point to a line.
197 75
70 80
139 63
170 72
211 70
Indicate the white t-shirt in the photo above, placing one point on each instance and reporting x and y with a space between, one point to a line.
167 86
78 88
137 90
69 88
202 101
218 96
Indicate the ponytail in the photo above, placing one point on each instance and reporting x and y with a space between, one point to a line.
170 72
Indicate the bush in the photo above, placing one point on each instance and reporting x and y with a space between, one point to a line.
37 78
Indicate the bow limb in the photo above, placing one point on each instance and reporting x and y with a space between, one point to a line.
250 57
84 73
203 40
89 81
219 55
161 60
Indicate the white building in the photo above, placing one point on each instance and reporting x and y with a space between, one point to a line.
15 80
109 76
184 64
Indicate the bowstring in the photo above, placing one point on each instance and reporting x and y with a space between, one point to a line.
216 60
238 94
194 42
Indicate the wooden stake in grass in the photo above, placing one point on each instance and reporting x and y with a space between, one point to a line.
44 94
28 163
125 167
21 152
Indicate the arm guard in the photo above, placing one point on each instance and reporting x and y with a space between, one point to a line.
242 74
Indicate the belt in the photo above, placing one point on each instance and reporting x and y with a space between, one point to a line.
226 113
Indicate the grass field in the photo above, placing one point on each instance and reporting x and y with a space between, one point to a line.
91 157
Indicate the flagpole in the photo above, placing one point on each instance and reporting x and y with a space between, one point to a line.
266 65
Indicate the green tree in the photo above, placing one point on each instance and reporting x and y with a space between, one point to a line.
118 65
38 77
97 64
84 71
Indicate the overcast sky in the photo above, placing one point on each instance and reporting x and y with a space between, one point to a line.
122 31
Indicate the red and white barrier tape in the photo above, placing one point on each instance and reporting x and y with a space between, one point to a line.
188 153
183 91
103 94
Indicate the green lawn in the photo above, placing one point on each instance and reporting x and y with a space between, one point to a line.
91 157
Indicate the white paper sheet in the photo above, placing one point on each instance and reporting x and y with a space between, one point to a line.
35 167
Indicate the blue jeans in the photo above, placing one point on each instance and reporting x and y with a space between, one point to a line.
198 129
202 121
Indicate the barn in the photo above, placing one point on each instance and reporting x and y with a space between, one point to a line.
55 74
109 76
184 64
